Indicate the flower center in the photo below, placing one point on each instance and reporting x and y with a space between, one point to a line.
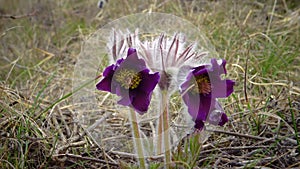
129 79
202 85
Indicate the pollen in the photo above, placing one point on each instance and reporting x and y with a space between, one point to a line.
202 85
129 79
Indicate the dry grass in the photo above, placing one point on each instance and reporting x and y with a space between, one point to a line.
41 40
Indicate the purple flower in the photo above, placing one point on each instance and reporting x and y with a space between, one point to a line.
130 79
200 91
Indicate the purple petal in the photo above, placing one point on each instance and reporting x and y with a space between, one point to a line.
149 81
141 96
190 79
125 97
229 84
206 105
198 105
185 85
131 51
109 71
223 120
105 84
115 87
199 125
119 61
133 62
141 101
217 115
214 116
200 70
221 88
192 102
217 68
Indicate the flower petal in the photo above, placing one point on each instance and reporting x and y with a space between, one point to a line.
217 115
214 116
125 97
109 71
206 105
149 81
200 70
140 101
218 68
192 101
141 96
199 124
190 79
105 84
131 51
221 88
133 62
198 105
119 61
186 85
229 85
223 120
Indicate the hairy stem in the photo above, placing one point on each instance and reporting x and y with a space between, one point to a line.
166 127
137 140
159 135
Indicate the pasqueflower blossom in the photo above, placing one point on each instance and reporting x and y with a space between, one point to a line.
200 91
130 79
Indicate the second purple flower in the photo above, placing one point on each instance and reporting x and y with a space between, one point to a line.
200 91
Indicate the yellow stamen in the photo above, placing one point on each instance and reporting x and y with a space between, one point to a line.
129 79
202 85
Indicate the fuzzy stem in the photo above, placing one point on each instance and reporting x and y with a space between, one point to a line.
137 139
159 135
166 127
